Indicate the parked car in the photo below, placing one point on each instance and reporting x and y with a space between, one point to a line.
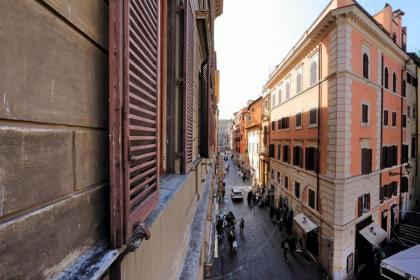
236 194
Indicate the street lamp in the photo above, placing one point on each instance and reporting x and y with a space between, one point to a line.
407 170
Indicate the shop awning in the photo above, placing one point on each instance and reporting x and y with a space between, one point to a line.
304 222
374 234
406 261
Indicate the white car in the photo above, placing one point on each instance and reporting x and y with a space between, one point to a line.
236 194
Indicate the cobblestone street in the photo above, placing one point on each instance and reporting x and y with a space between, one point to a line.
259 254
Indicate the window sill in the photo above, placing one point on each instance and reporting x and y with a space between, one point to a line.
312 125
170 184
364 124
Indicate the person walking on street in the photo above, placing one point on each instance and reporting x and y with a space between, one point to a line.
231 239
285 247
241 227
249 198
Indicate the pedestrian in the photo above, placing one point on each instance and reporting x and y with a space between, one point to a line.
228 168
249 197
223 192
285 247
241 227
219 227
231 239
243 178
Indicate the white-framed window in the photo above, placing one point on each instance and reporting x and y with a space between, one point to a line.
365 114
314 72
313 117
299 81
287 90
279 94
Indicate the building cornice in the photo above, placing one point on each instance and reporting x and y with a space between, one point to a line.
312 37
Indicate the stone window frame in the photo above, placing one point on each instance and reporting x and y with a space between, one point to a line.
366 103
383 117
317 117
366 50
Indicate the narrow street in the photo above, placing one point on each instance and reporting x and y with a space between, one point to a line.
259 254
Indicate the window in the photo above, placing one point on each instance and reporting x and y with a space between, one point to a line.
286 182
298 120
409 78
413 147
284 123
286 157
385 117
404 185
408 111
389 156
297 189
414 112
394 119
404 89
394 37
394 82
287 91
279 124
404 153
297 156
386 78
311 198
298 82
278 151
273 125
365 66
271 151
273 101
366 161
363 204
365 113
278 177
272 174
314 72
279 93
404 120
313 116
311 158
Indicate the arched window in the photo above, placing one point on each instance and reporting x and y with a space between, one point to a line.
287 90
386 78
314 72
298 83
365 66
394 82
280 97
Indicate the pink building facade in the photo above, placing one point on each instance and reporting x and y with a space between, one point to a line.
341 139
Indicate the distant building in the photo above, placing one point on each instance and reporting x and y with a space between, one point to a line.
224 133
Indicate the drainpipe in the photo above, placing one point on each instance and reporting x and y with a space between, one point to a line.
401 131
319 128
382 123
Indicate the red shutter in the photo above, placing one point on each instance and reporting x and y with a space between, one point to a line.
188 86
134 113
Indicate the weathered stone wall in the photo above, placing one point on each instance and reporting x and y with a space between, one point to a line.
53 134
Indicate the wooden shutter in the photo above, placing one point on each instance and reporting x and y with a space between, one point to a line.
369 161
188 85
359 205
315 159
134 113
204 111
381 194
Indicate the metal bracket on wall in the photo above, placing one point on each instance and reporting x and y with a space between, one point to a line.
141 232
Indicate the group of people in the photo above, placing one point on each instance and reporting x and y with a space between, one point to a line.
255 197
228 223
244 174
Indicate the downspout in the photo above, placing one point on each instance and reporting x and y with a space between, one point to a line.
319 128
382 123
401 134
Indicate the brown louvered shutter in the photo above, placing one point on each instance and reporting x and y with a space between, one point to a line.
134 113
188 85
204 111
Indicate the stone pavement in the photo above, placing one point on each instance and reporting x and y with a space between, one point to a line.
259 254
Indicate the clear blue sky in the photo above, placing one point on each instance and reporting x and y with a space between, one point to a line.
252 37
